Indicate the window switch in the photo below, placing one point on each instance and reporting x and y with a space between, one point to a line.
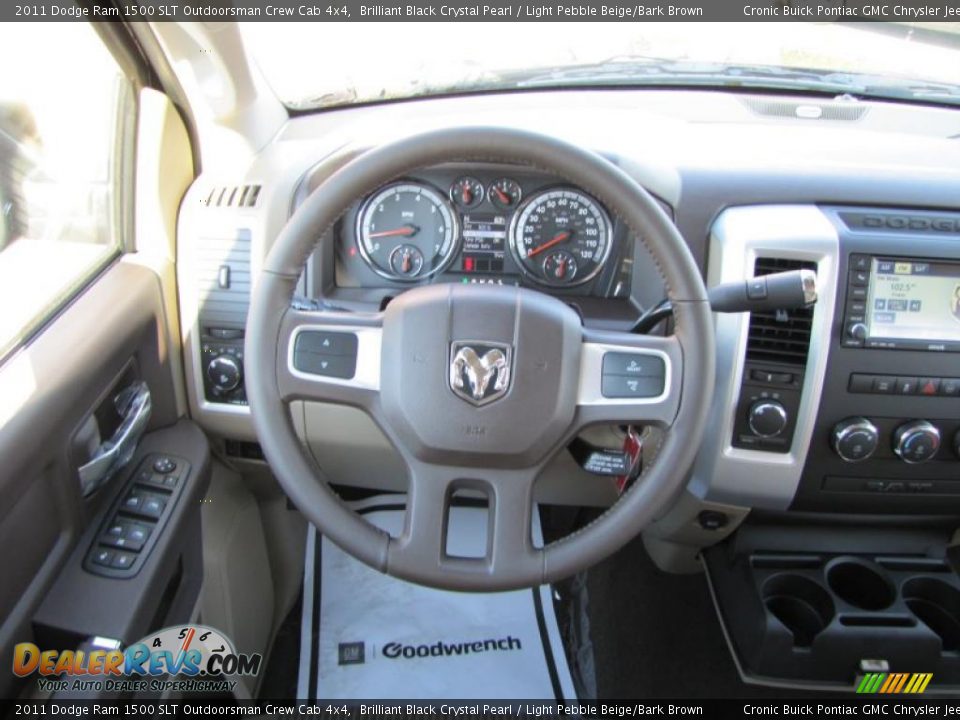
152 507
133 502
102 557
123 560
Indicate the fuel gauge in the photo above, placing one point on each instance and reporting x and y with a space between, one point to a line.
559 267
466 192
505 193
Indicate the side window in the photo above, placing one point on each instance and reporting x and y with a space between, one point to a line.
61 183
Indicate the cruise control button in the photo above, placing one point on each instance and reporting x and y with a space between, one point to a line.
617 363
622 386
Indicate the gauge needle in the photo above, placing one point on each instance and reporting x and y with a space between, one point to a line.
502 196
405 231
557 239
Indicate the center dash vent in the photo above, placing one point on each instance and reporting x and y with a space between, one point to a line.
780 336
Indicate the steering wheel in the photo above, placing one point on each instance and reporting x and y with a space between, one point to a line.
542 369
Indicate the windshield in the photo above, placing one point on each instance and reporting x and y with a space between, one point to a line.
322 65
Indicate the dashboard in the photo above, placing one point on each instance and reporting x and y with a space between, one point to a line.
850 406
484 224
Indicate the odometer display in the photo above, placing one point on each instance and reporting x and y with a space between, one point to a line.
561 237
407 231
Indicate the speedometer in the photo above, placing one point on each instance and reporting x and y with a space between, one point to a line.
561 237
407 231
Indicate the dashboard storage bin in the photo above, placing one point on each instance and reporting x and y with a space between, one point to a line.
820 618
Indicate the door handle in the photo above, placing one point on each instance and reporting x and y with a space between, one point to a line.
134 406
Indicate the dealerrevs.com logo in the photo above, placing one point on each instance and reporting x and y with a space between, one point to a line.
399 651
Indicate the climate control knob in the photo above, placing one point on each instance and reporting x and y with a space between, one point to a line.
916 442
767 418
855 439
224 373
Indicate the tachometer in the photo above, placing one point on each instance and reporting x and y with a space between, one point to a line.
561 237
407 231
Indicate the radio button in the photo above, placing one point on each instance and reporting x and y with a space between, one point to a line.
859 278
859 262
929 386
856 308
884 384
949 386
860 383
906 386
857 293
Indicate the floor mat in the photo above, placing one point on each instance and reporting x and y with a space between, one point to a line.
365 635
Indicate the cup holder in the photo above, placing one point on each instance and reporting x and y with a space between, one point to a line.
802 605
937 604
860 584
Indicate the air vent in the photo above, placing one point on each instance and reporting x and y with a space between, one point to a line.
245 196
780 336
806 110
223 276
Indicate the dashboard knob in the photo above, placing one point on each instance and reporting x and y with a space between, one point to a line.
857 331
224 372
916 442
767 418
855 439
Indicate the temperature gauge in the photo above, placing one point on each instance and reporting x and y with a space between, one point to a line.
406 261
505 193
559 267
467 192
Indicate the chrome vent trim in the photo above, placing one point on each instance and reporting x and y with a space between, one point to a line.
752 478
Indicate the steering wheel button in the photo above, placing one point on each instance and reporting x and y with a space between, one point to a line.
634 365
624 386
336 366
326 343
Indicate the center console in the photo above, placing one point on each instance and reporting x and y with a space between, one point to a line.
840 429
888 426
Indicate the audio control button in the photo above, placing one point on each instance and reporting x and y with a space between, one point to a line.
855 439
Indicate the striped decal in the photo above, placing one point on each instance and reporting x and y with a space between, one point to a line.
893 683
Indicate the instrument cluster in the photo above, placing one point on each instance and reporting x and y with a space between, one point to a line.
489 224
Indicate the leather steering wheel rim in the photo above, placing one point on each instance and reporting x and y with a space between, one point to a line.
272 327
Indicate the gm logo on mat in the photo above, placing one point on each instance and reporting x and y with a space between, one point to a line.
894 683
350 653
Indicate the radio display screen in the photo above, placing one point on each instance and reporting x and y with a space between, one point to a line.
913 301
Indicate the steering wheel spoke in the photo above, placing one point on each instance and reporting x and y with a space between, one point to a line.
423 553
629 378
329 357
